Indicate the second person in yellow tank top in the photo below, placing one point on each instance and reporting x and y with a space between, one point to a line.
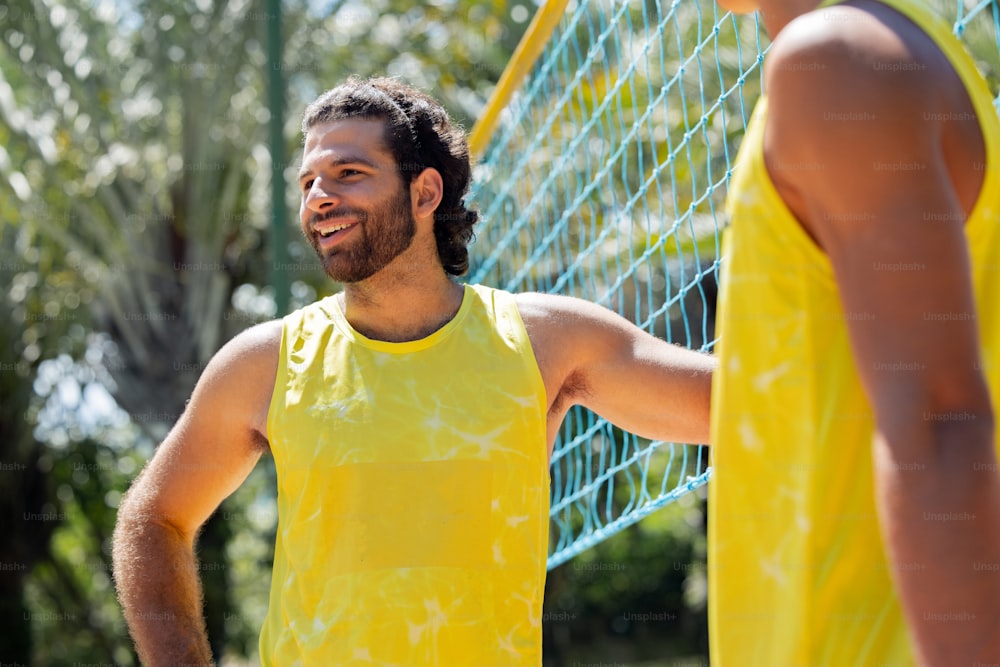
854 514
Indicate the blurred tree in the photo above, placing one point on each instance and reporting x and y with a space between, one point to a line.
24 491
638 596
135 176
139 162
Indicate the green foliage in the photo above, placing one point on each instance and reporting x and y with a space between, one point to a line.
638 596
134 183
72 587
134 187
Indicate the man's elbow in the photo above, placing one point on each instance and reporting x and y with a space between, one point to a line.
957 438
140 525
965 437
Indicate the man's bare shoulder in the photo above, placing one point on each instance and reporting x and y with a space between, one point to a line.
854 48
540 307
537 308
239 380
567 331
563 331
252 350
850 90
560 317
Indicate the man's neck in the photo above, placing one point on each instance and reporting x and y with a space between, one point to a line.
776 14
403 311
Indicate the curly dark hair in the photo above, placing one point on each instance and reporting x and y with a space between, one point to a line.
419 134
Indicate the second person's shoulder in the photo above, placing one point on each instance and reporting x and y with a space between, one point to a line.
857 43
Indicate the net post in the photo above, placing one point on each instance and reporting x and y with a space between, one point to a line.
524 58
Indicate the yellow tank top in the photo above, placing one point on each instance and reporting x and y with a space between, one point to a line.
413 493
797 570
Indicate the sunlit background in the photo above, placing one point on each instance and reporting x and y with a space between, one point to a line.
139 232
135 239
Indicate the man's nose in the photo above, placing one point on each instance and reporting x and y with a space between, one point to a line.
320 196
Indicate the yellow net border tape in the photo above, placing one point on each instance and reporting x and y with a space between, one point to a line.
527 52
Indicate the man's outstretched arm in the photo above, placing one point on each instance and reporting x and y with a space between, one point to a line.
593 357
206 456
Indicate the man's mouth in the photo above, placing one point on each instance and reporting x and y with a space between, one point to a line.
330 231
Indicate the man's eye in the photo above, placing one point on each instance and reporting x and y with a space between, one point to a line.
350 172
307 185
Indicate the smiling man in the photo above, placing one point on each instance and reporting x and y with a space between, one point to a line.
410 418
855 507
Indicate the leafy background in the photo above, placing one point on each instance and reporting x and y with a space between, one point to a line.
134 212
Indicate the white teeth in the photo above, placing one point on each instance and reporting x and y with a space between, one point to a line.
331 230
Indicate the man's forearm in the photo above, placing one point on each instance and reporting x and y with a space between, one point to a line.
157 579
939 505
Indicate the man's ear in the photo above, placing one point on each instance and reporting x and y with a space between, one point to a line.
426 191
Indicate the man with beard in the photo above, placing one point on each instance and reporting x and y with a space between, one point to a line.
410 418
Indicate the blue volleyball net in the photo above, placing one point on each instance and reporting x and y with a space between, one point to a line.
603 176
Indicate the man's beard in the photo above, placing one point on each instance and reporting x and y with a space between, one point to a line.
385 233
